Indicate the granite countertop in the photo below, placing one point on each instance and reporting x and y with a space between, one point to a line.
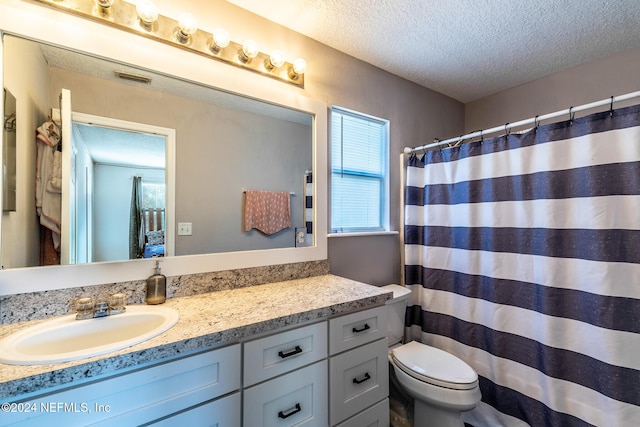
206 321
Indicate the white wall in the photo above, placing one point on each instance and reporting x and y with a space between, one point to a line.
112 205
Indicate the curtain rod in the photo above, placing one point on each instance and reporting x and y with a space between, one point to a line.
533 120
291 193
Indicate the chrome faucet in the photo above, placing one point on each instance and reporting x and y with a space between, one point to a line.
88 308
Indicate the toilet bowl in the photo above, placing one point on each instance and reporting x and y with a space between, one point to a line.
442 384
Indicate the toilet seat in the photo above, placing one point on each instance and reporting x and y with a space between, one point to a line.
434 366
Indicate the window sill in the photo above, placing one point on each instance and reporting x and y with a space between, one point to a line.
362 233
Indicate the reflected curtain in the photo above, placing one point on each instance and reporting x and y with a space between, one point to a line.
136 220
523 256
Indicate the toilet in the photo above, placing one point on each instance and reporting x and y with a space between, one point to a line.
441 384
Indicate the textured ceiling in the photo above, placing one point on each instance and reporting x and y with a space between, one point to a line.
467 49
122 148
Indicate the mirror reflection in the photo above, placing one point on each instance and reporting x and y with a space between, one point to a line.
224 145
113 169
9 153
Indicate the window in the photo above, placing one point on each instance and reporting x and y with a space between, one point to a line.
359 182
153 195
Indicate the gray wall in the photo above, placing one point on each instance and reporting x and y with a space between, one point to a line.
369 259
417 115
593 81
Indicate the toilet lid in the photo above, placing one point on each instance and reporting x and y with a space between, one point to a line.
434 366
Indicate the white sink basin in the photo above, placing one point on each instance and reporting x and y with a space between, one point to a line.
64 339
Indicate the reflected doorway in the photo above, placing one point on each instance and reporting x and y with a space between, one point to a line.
107 155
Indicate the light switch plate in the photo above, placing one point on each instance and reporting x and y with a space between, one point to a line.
184 229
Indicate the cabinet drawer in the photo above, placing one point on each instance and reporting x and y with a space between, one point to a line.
295 399
277 354
376 416
355 329
224 412
359 378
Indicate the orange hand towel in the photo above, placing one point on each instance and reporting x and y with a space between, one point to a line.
267 211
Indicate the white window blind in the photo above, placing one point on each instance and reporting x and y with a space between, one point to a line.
359 159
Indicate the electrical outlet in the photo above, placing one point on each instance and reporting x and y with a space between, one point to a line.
184 229
301 236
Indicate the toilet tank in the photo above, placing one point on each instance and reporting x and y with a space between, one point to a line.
395 312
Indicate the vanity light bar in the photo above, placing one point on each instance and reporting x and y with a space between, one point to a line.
123 15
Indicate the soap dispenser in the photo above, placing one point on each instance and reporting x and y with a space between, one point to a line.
156 287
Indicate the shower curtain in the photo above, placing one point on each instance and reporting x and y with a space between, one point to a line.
523 256
136 220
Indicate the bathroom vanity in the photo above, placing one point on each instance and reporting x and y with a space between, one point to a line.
308 351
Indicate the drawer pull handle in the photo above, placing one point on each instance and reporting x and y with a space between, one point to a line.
364 328
289 412
363 379
291 352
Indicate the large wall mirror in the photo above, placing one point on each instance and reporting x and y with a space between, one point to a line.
199 137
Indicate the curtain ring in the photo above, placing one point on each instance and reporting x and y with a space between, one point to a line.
507 129
571 114
611 108
536 122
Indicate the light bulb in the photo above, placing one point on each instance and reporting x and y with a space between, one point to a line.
220 40
147 12
249 50
188 25
105 4
299 68
276 60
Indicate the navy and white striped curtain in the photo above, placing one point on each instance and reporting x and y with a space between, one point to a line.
523 255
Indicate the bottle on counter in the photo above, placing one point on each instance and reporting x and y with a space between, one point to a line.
156 287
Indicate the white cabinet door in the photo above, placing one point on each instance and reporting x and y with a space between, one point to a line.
295 399
359 378
138 397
